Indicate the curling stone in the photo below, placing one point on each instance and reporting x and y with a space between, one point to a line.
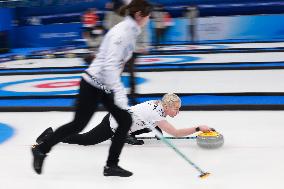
210 140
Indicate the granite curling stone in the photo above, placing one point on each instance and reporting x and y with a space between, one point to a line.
210 140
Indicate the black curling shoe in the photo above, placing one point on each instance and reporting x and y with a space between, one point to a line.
133 140
116 171
38 158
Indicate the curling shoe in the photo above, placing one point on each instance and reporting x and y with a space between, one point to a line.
116 171
130 139
38 158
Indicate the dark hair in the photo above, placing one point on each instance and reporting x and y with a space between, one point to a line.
136 6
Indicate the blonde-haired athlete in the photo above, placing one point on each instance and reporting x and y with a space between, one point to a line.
145 115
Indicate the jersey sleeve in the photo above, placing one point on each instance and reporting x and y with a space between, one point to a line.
114 60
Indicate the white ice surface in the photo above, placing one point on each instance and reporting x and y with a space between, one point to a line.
252 156
224 57
201 58
229 81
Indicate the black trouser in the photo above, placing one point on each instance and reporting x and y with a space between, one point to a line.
98 134
87 102
145 130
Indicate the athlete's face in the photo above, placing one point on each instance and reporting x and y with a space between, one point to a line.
141 20
172 111
144 20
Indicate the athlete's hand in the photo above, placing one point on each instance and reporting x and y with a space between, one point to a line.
205 128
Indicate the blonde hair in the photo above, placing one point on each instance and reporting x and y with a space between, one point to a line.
170 99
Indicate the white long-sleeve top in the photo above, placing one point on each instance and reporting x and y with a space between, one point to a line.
116 49
144 115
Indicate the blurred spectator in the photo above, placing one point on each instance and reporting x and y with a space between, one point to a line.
92 32
112 18
4 45
142 47
192 14
168 19
162 20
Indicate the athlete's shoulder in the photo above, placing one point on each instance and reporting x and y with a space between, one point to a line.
156 108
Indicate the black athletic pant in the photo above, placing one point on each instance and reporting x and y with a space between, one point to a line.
100 133
145 130
87 102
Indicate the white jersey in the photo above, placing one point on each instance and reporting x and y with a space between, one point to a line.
144 115
116 49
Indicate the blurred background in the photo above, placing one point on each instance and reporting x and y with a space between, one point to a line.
58 23
42 38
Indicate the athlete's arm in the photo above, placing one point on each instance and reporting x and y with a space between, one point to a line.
170 129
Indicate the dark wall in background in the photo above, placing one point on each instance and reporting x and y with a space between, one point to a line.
6 18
